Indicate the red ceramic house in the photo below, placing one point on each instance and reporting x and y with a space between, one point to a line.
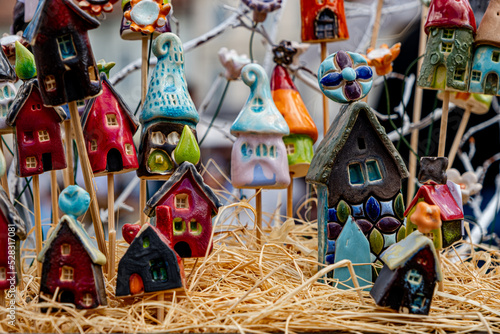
109 126
323 21
184 207
72 264
10 222
39 145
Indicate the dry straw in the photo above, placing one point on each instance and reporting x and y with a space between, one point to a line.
242 287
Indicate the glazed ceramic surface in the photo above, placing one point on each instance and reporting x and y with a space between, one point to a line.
262 7
478 104
485 72
127 33
323 21
147 15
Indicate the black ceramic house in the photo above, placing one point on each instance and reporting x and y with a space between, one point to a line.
358 171
66 67
407 280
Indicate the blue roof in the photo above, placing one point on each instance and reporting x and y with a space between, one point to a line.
259 115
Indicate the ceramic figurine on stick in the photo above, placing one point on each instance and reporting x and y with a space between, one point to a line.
127 33
72 266
356 168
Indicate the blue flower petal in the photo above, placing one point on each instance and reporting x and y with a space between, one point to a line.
364 73
332 79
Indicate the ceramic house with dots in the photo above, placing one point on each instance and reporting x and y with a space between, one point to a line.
66 67
323 21
38 145
451 27
167 108
486 63
184 207
108 127
358 171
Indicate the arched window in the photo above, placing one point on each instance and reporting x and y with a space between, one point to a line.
326 25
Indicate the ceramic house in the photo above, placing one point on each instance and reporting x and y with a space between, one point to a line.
7 97
323 21
39 146
149 265
184 207
485 65
258 157
72 264
407 280
12 230
303 131
451 27
358 171
66 67
167 108
108 127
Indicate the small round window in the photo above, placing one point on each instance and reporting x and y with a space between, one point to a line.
173 138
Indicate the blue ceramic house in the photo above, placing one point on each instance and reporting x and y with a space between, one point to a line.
167 108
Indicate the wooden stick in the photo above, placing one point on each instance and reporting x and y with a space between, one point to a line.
69 178
88 177
54 197
289 198
458 136
144 91
111 226
444 124
326 112
376 26
258 220
5 183
38 220
441 283
161 309
417 111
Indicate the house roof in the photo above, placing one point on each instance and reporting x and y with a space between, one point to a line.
336 137
183 170
7 72
398 254
114 94
12 215
450 14
22 96
160 235
42 10
487 33
290 104
95 255
259 115
440 195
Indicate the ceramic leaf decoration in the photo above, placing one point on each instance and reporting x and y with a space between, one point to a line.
345 77
25 62
262 7
105 67
323 21
187 149
147 15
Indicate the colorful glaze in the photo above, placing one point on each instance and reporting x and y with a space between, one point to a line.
358 171
70 261
345 77
167 108
478 104
108 127
262 7
96 7
7 72
352 245
382 57
8 43
39 145
184 207
187 149
323 21
25 63
426 217
104 67
147 15
258 157
407 280
451 27
128 34
303 131
149 265
65 64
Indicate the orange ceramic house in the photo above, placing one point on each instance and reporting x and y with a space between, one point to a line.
323 21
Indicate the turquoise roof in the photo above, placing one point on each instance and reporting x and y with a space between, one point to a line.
259 115
168 96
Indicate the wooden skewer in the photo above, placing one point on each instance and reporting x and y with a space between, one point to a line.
54 197
289 198
459 135
161 310
326 112
88 177
111 226
38 220
376 26
258 221
5 183
444 124
69 171
144 90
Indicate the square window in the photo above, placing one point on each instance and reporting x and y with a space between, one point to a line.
28 136
43 135
65 249
181 201
290 149
145 242
3 273
66 274
495 56
356 175
179 226
448 33
418 302
413 277
66 46
459 75
159 159
373 171
430 236
111 120
50 83
476 76
158 270
128 149
158 138
446 47
194 227
31 162
361 143
87 300
93 145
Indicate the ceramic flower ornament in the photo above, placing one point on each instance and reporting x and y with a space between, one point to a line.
262 7
427 217
147 15
382 57
95 8
345 77
232 62
467 182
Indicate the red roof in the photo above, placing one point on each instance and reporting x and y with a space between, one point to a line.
441 196
450 14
